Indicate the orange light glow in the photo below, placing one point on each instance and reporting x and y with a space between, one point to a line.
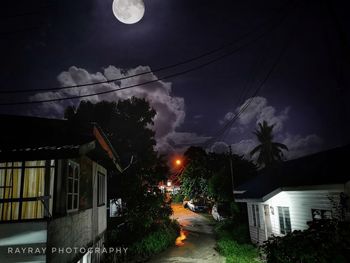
178 162
180 239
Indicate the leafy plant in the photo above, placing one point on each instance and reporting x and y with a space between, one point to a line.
326 241
156 241
233 242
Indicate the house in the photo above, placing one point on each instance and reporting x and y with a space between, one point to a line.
285 198
53 176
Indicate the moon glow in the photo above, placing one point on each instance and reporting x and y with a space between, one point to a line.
128 11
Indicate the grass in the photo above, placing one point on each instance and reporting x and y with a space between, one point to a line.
233 242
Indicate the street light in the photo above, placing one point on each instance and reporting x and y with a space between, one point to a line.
178 162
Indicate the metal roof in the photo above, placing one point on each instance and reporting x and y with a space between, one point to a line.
324 168
29 138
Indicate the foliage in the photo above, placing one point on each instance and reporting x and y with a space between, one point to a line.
220 186
193 182
128 125
269 152
233 242
156 241
177 198
209 174
326 241
159 237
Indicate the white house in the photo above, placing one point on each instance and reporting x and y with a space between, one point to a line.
53 177
287 197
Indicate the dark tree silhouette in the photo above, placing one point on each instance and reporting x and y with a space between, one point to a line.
269 151
127 123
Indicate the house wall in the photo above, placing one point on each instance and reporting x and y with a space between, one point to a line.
82 228
300 204
257 234
347 192
78 229
73 230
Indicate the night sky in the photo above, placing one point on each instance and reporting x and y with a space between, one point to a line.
47 44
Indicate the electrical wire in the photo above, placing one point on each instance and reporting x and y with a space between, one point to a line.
167 67
144 83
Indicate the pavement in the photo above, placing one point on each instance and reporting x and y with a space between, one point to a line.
196 243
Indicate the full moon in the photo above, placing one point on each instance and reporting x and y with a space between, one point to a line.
128 11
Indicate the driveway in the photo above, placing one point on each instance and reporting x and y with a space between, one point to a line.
196 242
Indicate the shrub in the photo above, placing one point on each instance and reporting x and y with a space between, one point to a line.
156 241
324 242
234 242
237 253
177 198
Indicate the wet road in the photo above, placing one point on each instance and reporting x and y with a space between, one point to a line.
196 243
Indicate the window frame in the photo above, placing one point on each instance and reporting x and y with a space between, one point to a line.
322 213
76 166
282 211
101 189
256 215
44 198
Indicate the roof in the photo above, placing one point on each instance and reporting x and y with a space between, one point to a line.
28 138
325 168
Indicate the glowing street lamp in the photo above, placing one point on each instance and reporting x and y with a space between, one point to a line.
178 162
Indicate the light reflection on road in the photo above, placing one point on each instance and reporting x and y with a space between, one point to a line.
180 239
196 242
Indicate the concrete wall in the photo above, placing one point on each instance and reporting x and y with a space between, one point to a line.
78 229
73 230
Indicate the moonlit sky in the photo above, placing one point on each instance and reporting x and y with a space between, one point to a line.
81 41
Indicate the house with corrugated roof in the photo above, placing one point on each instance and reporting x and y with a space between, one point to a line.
286 197
53 179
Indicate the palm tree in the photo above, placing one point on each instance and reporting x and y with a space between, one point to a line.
269 152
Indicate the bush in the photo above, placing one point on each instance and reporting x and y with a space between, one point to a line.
237 253
229 229
234 242
177 198
156 241
324 242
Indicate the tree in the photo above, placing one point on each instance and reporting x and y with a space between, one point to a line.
194 178
209 174
127 124
220 184
269 152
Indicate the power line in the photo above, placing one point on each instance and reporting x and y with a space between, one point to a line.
141 84
206 54
230 123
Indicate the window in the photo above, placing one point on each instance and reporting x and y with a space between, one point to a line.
72 186
101 190
318 214
256 215
25 189
284 218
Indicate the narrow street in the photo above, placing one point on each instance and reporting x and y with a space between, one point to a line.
196 242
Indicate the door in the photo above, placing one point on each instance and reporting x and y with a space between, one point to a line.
268 226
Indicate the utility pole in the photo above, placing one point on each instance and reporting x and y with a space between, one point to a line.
231 169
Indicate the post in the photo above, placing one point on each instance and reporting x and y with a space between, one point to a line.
231 169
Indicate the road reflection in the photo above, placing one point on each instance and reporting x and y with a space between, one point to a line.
180 239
